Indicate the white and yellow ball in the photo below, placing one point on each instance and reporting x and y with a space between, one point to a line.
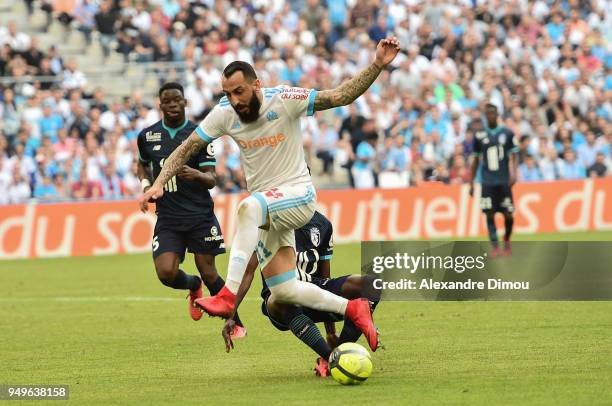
350 364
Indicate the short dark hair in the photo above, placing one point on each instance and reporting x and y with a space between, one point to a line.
244 67
490 106
170 86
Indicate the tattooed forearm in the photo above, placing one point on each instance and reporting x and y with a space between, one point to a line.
177 159
348 91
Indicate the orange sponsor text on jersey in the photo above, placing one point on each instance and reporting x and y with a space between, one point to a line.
272 141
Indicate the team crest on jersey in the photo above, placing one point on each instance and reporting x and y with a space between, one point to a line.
214 230
272 115
315 236
210 150
157 148
236 125
150 136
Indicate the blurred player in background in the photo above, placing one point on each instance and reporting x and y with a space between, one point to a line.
497 148
314 246
185 216
265 122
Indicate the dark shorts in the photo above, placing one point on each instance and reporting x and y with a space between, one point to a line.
333 285
194 235
496 198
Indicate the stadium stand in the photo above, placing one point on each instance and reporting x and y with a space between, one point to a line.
78 80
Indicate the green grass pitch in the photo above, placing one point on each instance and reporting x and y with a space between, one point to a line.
107 327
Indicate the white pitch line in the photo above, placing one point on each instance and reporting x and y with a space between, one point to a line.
82 299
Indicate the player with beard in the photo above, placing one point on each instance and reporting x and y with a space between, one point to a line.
185 214
265 123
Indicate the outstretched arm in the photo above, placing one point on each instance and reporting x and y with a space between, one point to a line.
228 327
179 157
171 167
350 90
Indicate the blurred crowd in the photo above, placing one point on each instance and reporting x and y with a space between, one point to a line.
546 65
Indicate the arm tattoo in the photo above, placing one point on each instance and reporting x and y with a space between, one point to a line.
348 91
179 156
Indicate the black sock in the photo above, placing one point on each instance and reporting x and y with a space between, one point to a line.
492 230
509 223
183 281
214 288
350 333
305 329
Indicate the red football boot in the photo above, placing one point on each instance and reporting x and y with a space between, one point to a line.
221 305
239 332
496 252
194 311
321 368
358 311
507 249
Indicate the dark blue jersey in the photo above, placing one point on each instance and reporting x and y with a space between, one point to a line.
313 244
494 146
181 199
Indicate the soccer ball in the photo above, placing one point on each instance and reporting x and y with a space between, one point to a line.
350 364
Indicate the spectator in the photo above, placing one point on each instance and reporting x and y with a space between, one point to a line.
528 171
571 168
325 146
46 190
106 20
84 14
587 152
73 78
17 41
110 183
19 189
51 122
84 188
459 172
599 168
365 160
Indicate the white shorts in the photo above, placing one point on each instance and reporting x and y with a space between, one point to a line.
290 208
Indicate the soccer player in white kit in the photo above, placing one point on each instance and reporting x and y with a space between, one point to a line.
265 124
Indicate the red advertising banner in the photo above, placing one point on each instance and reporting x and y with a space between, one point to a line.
428 211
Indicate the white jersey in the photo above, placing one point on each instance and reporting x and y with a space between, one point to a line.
270 148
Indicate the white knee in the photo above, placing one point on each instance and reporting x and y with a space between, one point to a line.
250 210
285 292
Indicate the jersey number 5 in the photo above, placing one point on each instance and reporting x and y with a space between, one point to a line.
171 186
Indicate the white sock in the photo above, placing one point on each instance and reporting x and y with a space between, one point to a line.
286 288
250 216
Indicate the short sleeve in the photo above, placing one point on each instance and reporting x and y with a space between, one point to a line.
212 126
143 155
206 157
298 101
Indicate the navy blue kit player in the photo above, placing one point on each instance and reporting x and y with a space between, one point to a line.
185 214
496 147
314 246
